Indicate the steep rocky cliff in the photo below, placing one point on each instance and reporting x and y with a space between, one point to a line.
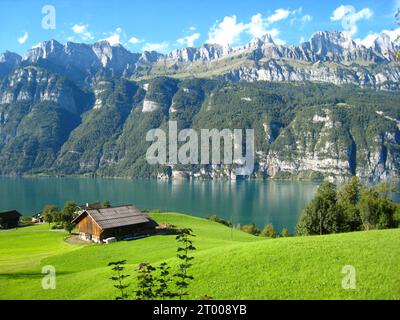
326 108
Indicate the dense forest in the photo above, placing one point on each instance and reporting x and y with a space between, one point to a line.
303 130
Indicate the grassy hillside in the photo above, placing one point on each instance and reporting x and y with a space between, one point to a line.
228 265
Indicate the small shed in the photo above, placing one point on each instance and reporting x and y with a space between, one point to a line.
119 222
9 219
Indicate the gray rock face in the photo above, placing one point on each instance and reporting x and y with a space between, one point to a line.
329 56
88 60
8 61
35 85
207 52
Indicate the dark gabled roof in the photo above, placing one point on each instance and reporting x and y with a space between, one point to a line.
13 214
108 218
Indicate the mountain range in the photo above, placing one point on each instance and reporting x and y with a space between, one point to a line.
331 57
328 107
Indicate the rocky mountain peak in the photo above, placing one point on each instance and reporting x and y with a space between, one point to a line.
383 44
335 42
10 57
43 50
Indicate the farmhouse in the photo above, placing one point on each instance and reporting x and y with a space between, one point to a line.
119 222
38 218
9 219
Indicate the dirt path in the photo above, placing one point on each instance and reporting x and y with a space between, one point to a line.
75 240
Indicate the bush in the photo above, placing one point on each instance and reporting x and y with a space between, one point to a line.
57 226
268 232
285 233
220 220
250 228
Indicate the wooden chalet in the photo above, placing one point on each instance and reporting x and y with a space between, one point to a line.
9 219
120 222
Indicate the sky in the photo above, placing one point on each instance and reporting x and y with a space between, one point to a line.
167 25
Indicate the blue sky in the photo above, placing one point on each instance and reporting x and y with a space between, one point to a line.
167 25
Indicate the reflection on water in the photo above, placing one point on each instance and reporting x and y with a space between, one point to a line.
259 202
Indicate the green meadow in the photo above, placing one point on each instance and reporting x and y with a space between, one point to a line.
228 264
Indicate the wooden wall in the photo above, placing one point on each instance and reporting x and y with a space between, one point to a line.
87 225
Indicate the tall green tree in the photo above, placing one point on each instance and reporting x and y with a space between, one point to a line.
348 198
321 215
48 213
69 211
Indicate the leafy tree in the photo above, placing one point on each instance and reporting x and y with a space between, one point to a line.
185 245
268 231
354 207
321 215
118 267
68 212
48 213
347 198
377 210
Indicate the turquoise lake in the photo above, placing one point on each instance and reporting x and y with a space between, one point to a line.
242 202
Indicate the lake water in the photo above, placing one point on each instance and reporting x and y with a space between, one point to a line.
242 202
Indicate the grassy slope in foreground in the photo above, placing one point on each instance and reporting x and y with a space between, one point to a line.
228 265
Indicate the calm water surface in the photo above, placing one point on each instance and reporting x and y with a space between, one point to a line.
259 202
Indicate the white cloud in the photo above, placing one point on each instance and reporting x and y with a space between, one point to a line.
226 32
368 41
115 37
257 27
160 47
82 31
22 40
192 28
229 31
189 40
393 34
349 17
134 40
280 14
113 40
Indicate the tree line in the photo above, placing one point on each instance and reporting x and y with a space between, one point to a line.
352 207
